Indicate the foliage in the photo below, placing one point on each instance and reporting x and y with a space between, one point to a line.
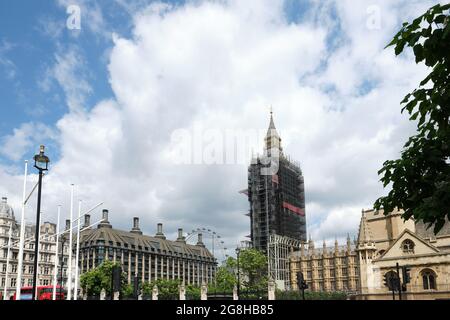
127 291
225 278
421 177
309 295
168 289
253 265
193 292
99 278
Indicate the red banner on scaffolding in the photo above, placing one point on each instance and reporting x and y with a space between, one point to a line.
275 178
297 210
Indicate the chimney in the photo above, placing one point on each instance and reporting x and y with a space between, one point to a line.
180 236
136 226
67 224
200 240
105 223
159 233
87 220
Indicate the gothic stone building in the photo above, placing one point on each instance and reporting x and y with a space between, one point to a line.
326 269
384 241
146 258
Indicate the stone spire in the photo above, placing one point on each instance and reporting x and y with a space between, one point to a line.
273 140
364 234
349 243
336 246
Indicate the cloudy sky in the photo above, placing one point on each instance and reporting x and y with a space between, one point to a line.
109 100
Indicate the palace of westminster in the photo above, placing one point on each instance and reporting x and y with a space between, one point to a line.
278 228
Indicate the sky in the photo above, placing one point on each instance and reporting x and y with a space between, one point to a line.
119 91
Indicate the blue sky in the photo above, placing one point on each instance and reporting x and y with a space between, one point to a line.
107 99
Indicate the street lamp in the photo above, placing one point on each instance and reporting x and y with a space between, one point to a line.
238 250
63 241
41 163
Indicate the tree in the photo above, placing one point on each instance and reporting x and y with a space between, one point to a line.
168 289
420 179
98 278
253 264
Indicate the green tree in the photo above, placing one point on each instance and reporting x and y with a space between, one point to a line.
168 289
420 179
253 265
99 278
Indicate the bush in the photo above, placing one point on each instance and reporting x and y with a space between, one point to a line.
310 295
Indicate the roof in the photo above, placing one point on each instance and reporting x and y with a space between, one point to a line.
5 209
141 242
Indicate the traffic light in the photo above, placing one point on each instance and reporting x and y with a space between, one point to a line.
302 285
406 274
299 279
136 287
116 273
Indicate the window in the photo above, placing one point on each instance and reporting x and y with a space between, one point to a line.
429 279
408 246
13 282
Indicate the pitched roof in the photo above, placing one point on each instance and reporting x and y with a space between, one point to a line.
154 244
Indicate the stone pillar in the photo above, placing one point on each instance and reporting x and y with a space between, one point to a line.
189 272
129 267
182 290
155 293
235 295
173 268
204 292
143 267
149 268
103 294
271 290
156 267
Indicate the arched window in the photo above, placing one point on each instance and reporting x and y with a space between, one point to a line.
429 279
408 246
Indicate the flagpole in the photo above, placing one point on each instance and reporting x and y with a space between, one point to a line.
22 235
77 254
7 260
69 292
55 273
37 257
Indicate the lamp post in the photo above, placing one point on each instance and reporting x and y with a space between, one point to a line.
238 250
41 163
63 241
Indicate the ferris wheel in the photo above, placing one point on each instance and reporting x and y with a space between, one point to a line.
213 242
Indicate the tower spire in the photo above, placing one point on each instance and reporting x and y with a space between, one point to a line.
273 140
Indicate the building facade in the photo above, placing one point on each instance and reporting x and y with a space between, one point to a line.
326 269
384 241
46 259
146 258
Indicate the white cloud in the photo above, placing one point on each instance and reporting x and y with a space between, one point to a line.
220 65
15 146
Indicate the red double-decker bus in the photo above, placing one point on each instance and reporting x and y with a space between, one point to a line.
43 293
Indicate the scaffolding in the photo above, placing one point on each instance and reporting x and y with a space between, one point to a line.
279 249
